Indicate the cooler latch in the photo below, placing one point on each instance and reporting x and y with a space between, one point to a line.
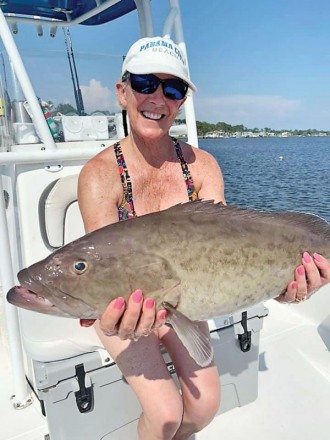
245 338
84 396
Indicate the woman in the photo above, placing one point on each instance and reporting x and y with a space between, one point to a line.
148 171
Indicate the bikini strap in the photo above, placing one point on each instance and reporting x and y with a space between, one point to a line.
192 193
126 210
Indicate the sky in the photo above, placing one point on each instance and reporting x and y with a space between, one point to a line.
260 63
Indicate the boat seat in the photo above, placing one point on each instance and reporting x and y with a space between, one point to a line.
49 217
54 204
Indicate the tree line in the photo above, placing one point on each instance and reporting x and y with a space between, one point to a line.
206 127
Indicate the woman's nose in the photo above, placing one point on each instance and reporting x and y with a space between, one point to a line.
158 94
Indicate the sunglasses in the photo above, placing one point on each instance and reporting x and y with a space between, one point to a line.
147 84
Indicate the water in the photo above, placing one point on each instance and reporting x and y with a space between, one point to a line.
275 173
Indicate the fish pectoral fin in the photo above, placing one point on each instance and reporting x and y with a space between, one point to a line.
196 342
153 274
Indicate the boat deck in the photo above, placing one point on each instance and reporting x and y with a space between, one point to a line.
294 385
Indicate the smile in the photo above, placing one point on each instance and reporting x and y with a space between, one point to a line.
153 116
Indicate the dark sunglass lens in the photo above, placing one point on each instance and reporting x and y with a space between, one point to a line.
174 89
145 84
148 83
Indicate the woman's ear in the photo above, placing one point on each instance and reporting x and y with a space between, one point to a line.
121 93
182 102
180 106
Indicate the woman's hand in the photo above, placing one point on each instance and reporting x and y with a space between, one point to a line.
313 273
132 320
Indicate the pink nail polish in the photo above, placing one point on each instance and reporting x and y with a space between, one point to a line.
87 322
301 270
137 296
318 257
119 303
162 314
294 285
307 258
150 302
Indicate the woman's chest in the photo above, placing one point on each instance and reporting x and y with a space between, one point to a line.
158 190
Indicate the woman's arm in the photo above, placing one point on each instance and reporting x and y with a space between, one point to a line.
209 177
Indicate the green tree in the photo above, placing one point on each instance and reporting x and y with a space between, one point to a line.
65 109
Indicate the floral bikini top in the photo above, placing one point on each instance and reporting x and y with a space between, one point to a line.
126 210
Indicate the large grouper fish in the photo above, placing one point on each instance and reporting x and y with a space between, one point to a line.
198 260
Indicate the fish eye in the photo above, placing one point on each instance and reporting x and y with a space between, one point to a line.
80 267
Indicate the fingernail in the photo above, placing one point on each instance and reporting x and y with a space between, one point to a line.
162 314
301 270
87 322
307 258
318 257
150 302
294 285
119 303
137 296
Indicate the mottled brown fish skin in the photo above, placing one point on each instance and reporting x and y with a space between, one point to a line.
206 259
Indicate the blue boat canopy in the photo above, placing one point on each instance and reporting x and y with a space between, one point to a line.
68 10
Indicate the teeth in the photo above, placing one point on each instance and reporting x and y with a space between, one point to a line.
155 116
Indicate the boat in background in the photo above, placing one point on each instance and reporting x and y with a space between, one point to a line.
57 381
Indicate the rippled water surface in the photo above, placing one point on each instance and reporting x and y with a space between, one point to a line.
275 173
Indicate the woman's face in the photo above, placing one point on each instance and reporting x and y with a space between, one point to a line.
150 116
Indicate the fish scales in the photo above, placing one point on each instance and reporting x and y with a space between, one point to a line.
228 255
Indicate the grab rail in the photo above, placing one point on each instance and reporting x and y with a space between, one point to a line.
21 397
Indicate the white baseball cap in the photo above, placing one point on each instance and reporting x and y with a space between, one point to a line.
157 55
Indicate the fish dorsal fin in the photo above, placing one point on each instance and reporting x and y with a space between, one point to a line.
196 342
308 222
206 209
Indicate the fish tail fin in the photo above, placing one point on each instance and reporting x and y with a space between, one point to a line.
196 342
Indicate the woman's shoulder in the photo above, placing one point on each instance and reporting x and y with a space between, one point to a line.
197 156
206 173
99 185
103 162
100 174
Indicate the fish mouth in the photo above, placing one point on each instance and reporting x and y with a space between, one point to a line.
22 297
39 295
